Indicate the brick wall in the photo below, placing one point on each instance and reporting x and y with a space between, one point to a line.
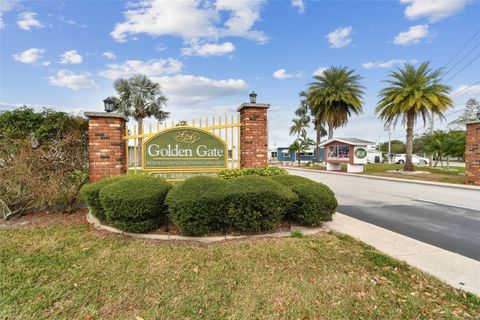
106 145
472 154
253 135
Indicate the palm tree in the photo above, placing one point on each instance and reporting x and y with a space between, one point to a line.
413 92
298 127
334 97
140 98
300 145
302 112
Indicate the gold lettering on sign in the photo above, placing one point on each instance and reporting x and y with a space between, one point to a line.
186 136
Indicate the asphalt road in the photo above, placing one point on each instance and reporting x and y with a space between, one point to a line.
442 216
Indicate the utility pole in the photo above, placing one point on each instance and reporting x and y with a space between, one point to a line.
389 129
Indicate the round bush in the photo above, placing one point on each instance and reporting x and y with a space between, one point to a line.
90 194
135 200
316 202
196 206
137 226
256 203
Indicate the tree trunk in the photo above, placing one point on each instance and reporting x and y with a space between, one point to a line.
330 131
140 142
319 138
299 155
408 159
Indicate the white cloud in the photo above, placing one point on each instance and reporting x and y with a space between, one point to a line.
208 49
282 74
465 89
155 67
434 10
340 38
191 20
71 22
5 6
386 64
189 89
72 80
319 71
413 35
29 56
109 55
71 57
299 4
46 63
26 21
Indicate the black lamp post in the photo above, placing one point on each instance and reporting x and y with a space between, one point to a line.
253 97
108 104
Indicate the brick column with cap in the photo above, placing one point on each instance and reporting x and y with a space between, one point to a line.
106 145
253 135
472 153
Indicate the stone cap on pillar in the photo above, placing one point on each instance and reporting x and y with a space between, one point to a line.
105 115
253 105
473 122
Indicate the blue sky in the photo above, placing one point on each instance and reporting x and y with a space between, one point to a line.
209 55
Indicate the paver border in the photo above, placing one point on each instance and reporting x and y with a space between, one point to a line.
98 225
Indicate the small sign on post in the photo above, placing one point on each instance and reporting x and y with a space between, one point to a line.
183 152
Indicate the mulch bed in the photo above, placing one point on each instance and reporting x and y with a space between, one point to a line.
44 218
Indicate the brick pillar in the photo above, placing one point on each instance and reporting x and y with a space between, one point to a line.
106 145
253 135
472 153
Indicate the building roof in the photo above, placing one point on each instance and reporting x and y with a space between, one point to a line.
351 141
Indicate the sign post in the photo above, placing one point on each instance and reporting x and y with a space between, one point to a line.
183 152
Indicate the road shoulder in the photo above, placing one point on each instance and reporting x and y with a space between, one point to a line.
456 270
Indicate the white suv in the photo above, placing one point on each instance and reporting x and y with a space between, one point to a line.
400 159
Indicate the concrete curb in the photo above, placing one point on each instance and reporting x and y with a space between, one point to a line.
440 184
98 225
458 271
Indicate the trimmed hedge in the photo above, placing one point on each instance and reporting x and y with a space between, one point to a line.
196 205
90 194
316 202
135 204
256 203
264 172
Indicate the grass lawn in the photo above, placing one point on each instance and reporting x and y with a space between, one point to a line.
438 174
69 271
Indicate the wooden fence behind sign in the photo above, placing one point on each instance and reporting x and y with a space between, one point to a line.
226 128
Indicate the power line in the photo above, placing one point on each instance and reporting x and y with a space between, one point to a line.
469 63
465 89
459 61
466 44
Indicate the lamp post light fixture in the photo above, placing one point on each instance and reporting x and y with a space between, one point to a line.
253 97
108 104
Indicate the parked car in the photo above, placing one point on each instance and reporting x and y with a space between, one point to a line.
400 159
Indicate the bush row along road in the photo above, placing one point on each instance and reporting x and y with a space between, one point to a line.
442 216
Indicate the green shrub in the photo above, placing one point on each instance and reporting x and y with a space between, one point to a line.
137 226
137 201
316 202
90 194
256 203
264 172
196 205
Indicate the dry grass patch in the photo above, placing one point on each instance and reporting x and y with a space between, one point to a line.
329 276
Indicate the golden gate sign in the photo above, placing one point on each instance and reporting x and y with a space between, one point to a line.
183 152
